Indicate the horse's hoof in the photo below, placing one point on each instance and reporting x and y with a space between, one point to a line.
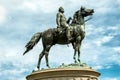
75 61
48 66
33 71
79 61
38 67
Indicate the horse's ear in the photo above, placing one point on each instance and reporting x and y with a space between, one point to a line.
76 12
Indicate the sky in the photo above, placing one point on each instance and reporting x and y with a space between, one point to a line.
20 19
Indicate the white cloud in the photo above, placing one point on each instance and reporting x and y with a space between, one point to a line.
103 40
97 67
45 6
3 14
113 28
92 30
117 49
12 62
101 34
115 58
109 78
29 6
101 66
13 74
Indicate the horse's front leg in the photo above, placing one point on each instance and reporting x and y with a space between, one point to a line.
78 49
74 57
78 46
79 56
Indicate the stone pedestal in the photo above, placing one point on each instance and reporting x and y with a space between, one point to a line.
69 72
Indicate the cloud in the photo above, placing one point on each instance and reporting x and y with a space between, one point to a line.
110 79
29 6
44 6
103 40
105 36
3 14
12 62
117 49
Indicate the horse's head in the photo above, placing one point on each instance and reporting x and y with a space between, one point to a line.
86 12
78 17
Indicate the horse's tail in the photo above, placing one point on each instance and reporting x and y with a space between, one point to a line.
34 40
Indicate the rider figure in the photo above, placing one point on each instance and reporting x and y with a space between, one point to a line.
78 18
62 22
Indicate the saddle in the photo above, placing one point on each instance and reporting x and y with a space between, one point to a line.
60 32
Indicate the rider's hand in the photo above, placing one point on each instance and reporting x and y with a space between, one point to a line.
58 26
70 18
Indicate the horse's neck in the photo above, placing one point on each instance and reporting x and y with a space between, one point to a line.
80 19
75 27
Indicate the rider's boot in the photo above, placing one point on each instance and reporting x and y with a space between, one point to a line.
58 30
69 37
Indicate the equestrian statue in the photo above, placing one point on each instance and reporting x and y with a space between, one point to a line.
65 33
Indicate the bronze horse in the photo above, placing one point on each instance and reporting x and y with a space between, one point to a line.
50 37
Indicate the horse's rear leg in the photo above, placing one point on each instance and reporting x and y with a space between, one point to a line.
46 55
79 56
39 60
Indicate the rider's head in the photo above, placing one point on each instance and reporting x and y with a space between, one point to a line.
61 9
82 8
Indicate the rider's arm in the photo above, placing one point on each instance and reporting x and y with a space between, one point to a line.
58 19
68 21
75 18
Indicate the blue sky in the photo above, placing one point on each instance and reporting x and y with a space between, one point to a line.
20 19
